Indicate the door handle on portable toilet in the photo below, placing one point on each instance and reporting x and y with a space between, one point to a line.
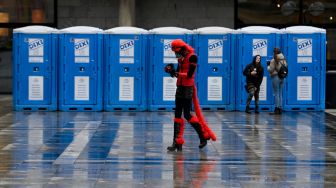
304 69
214 69
126 69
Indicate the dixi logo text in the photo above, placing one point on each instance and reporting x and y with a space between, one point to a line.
259 44
36 44
81 44
215 45
305 44
126 45
167 46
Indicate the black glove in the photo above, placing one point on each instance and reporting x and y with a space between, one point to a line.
170 69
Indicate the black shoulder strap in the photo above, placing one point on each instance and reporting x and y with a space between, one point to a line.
281 64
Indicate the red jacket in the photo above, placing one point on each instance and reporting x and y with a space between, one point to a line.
186 77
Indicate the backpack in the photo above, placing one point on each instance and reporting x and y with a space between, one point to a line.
283 71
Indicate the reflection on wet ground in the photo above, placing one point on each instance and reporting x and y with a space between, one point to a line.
107 149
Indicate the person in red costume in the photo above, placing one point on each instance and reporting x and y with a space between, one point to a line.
186 94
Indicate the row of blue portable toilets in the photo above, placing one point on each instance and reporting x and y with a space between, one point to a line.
121 69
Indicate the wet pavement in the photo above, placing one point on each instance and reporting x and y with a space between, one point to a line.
128 149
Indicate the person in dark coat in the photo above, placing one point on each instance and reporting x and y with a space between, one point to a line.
254 73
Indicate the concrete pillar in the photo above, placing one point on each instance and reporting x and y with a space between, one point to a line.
126 12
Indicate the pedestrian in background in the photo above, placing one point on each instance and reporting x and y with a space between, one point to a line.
274 68
254 73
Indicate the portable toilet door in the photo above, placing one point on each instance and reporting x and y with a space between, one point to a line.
252 41
305 50
80 69
125 76
162 87
34 69
215 69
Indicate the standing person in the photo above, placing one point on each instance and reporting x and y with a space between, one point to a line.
273 68
186 95
254 73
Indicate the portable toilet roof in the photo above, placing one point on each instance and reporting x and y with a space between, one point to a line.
170 31
303 30
213 30
126 30
36 29
258 30
81 30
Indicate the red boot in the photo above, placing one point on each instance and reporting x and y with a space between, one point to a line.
202 135
178 140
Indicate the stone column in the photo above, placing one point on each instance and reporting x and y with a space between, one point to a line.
126 12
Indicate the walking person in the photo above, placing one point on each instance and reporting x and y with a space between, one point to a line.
186 95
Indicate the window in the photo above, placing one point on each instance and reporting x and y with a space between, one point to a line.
27 11
285 12
15 14
264 13
318 12
19 13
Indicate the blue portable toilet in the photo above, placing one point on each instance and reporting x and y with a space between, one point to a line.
215 69
305 51
125 72
252 41
162 87
34 68
80 67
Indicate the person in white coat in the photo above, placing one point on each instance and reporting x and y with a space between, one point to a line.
273 68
